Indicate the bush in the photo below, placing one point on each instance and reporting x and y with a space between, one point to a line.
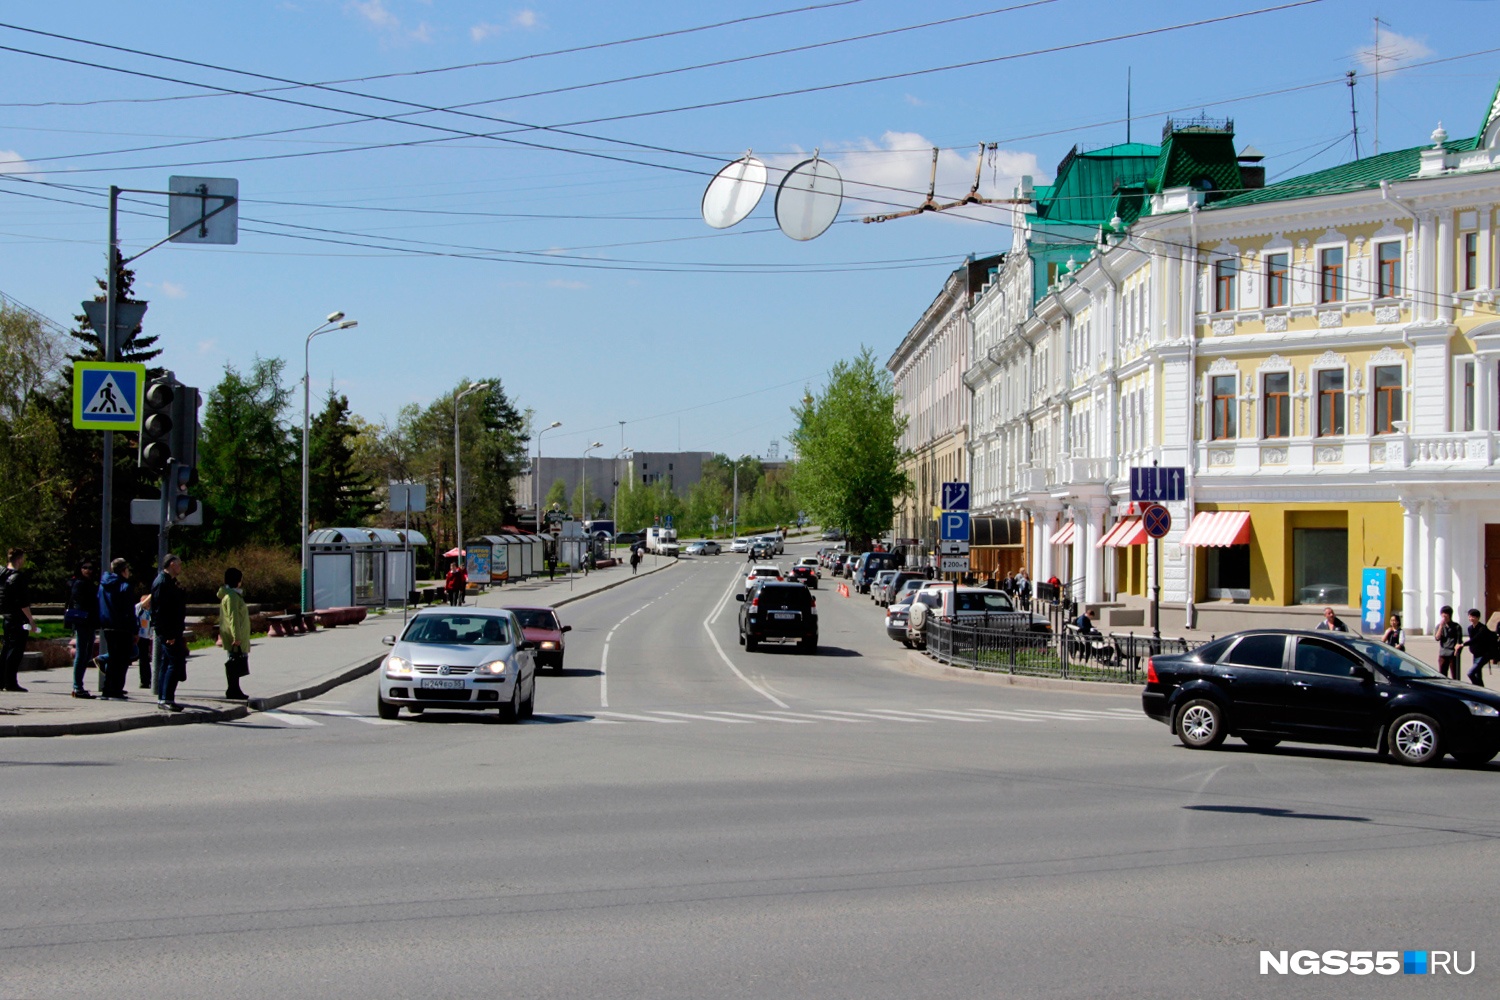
272 576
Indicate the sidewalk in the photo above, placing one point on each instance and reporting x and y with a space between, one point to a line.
282 670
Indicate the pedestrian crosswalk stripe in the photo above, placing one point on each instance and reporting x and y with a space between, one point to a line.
290 720
867 715
706 718
765 717
642 718
823 718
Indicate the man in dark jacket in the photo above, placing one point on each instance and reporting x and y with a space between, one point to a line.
82 616
168 619
1449 638
118 622
1481 646
15 612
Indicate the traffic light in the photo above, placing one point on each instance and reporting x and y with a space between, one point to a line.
156 425
183 436
182 504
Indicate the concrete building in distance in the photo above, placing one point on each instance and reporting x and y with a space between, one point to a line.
680 470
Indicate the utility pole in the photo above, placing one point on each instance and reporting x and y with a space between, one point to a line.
1353 111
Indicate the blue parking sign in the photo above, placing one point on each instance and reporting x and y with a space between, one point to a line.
954 526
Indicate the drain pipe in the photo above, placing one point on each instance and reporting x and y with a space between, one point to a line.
1190 321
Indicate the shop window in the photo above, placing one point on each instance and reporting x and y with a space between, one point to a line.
1225 271
1276 277
1388 270
1278 405
1471 261
1227 571
1331 402
1320 565
1224 395
1387 381
1331 272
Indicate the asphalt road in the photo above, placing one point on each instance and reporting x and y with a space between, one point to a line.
685 819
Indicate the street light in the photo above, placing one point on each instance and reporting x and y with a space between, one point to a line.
458 475
536 472
334 322
583 490
618 454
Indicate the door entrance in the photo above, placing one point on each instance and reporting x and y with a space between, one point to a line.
1491 569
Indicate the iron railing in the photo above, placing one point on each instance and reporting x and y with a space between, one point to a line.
1068 654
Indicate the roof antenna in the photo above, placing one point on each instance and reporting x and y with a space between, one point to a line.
1353 113
1127 105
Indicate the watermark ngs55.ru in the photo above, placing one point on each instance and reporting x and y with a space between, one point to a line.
1365 963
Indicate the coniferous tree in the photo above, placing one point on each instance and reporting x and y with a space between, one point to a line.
339 492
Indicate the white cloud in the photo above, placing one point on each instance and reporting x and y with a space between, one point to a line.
382 19
893 172
572 286
915 101
524 20
12 163
173 290
482 31
1390 50
208 346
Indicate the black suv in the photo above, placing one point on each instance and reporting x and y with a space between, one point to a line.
779 612
1321 687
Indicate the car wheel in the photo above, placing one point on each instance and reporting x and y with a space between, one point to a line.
386 709
1476 758
528 707
1200 724
511 710
1415 740
742 638
809 644
1260 744
906 643
557 666
415 710
750 644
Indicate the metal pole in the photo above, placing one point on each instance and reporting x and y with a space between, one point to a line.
163 525
1156 594
458 493
111 350
306 422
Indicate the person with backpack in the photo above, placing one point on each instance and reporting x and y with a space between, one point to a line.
15 612
81 614
1449 638
168 621
234 632
143 639
118 622
1481 643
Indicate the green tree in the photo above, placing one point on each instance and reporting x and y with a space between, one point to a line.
586 507
339 490
33 480
249 464
848 472
557 495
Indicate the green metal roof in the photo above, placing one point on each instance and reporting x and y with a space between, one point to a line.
1084 191
1204 159
1356 176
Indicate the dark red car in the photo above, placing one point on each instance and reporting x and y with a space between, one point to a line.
540 625
805 575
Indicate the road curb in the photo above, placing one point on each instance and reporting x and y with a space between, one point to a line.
920 663
617 583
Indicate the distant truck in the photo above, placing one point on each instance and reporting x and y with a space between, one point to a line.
662 541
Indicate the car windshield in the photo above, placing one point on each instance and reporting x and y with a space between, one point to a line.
458 630
536 618
983 601
1392 660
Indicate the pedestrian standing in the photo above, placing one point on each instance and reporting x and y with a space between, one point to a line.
635 561
117 622
1449 638
1331 622
168 620
1395 635
81 614
234 632
143 639
1481 645
15 611
450 584
552 565
460 586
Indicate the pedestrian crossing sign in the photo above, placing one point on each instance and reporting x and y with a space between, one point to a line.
107 395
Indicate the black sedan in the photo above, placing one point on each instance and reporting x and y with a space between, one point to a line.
1271 685
805 575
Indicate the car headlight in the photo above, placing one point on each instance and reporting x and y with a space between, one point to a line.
1480 708
493 667
395 666
549 644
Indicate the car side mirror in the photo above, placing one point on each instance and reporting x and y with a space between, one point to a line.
389 640
567 628
1363 672
739 597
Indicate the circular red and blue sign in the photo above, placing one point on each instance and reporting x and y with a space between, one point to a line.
1157 520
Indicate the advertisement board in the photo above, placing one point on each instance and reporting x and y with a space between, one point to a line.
477 557
1374 588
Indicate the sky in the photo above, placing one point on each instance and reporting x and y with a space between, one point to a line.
513 190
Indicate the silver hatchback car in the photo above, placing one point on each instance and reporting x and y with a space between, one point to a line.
469 659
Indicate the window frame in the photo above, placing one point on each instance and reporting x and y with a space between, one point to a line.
1341 403
1465 393
1337 272
1227 430
1388 289
1469 259
1226 276
1265 406
1377 393
1279 280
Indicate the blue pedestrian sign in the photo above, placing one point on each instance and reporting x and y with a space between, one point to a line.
954 525
955 497
669 520
107 395
1157 521
1157 484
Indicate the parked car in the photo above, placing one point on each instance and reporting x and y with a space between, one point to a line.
539 624
878 584
1270 685
703 548
631 538
779 612
840 562
832 535
969 605
761 574
894 587
871 563
805 575
470 659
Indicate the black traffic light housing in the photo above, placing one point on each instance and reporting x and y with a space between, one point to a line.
182 505
183 436
160 397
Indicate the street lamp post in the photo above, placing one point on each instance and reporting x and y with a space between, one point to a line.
458 476
334 322
583 493
536 472
618 455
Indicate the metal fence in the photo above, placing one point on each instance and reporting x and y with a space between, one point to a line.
1118 656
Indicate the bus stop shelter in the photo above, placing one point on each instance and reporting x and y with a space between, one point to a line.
354 567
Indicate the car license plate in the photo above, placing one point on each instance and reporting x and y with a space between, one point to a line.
784 615
445 683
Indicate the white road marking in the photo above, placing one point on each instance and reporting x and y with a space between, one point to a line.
290 720
321 711
604 677
898 713
866 715
765 717
644 718
707 627
949 716
705 718
376 722
822 718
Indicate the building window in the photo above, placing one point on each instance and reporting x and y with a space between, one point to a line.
1331 402
1388 270
1331 270
1320 565
1387 398
1276 272
1278 407
1224 275
1466 407
1471 261
1223 400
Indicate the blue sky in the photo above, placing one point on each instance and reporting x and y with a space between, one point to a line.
571 260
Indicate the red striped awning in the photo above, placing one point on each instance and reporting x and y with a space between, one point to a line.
1219 528
1065 536
1128 531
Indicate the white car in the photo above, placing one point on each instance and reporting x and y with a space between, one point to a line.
740 545
760 574
810 561
469 659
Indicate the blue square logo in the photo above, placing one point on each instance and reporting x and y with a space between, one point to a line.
1414 963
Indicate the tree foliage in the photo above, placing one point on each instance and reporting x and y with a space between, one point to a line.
848 472
340 490
249 461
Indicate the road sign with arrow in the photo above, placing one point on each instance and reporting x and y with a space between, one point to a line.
1157 484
